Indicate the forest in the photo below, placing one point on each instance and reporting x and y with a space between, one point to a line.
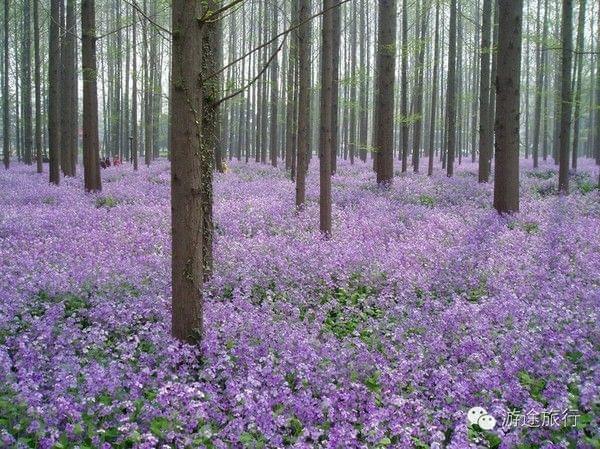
330 224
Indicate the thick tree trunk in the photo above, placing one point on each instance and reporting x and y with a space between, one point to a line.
506 179
565 96
91 144
70 103
54 91
384 92
190 160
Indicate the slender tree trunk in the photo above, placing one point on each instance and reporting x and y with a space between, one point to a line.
579 74
506 179
434 90
451 93
26 108
91 143
274 67
485 145
325 150
565 97
38 87
404 128
418 125
335 64
303 100
5 92
539 84
54 90
134 95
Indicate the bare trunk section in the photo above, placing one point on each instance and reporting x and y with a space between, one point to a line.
54 91
506 178
91 144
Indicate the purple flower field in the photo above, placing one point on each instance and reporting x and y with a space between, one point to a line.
424 304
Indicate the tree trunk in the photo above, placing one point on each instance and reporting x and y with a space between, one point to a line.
191 169
5 93
506 179
91 144
565 96
579 73
54 90
404 88
384 92
274 67
38 87
418 125
325 149
485 145
451 93
434 90
26 109
303 100
134 95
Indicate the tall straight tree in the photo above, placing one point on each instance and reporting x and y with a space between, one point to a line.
539 83
451 93
434 92
326 117
193 136
506 179
91 142
5 93
565 96
26 109
69 138
418 114
404 89
54 92
273 146
303 100
134 94
485 145
578 81
384 92
38 87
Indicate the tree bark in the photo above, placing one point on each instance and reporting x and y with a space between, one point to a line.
91 143
485 145
384 92
5 93
579 74
506 179
303 100
38 87
565 96
54 93
434 90
451 93
26 109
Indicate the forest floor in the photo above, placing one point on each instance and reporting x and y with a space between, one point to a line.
424 304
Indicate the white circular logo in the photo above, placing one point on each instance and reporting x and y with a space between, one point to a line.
479 416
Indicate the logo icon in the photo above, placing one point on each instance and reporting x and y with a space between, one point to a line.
479 416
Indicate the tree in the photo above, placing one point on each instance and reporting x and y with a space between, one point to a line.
578 75
540 76
565 96
26 108
134 95
404 88
54 90
506 179
193 136
303 100
384 92
434 90
273 146
91 143
418 113
5 93
451 93
38 87
485 145
325 147
69 130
